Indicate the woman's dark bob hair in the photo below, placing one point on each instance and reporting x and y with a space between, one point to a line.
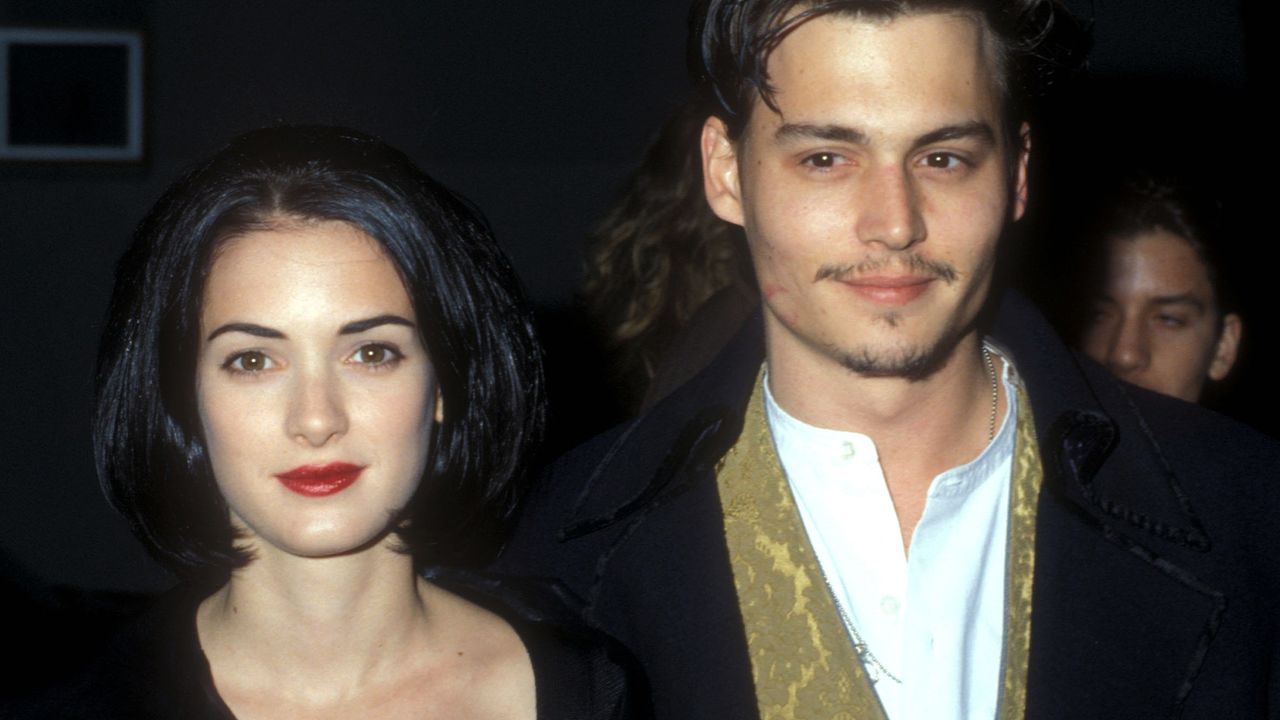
149 444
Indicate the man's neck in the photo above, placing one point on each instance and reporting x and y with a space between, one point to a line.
921 427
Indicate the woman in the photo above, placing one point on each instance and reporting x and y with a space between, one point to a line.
317 382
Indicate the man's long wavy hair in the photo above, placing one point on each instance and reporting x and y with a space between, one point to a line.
659 253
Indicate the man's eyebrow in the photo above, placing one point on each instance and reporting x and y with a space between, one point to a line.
834 133
844 134
248 328
976 130
359 326
1180 299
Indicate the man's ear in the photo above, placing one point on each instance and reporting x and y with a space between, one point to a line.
720 171
1224 355
1020 173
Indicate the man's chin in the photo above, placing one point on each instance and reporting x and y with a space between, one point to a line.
906 363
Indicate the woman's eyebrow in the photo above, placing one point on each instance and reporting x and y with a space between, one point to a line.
351 328
359 326
249 328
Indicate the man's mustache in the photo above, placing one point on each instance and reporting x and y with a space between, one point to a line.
911 262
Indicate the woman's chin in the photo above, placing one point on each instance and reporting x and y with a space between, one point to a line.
322 543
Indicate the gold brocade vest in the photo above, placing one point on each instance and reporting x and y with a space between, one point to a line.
802 661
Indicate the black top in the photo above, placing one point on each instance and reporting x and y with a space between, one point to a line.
154 667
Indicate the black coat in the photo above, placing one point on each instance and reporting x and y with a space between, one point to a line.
1156 580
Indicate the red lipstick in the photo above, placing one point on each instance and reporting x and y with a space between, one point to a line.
320 480
890 290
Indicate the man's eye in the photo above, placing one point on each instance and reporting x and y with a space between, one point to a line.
376 355
1171 321
942 160
249 362
823 160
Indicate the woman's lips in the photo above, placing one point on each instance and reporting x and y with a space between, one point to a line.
320 480
889 290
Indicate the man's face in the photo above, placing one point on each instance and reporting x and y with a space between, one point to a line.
1156 324
873 201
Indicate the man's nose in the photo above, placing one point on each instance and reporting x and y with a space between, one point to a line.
1130 348
317 411
889 210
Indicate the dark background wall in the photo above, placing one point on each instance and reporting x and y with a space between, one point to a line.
535 110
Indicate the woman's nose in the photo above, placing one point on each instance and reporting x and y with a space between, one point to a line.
318 412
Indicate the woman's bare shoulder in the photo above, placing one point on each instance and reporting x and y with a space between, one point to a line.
481 666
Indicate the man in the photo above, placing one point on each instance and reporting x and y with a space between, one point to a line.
908 508
1160 319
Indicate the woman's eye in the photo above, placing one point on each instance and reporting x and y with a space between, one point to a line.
376 355
249 362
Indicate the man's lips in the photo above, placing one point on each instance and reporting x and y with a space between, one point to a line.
889 290
320 480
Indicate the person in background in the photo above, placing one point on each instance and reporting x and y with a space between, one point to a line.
667 282
1161 316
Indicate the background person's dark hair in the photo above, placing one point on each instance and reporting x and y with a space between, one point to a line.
1146 203
1135 203
658 255
730 42
149 444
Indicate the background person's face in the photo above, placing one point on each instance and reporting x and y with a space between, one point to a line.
873 202
1155 323
311 362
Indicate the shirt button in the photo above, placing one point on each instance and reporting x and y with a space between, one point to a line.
889 605
849 452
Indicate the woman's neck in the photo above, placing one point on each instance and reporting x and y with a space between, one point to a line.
318 629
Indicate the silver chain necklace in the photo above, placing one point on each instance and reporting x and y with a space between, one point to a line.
995 392
870 663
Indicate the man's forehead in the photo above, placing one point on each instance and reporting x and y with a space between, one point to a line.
854 19
935 64
1157 264
884 19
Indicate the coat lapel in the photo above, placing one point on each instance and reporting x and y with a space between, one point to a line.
1119 629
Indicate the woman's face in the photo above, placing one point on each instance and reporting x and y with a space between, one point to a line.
315 393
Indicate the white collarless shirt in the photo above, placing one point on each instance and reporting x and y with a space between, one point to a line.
933 618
